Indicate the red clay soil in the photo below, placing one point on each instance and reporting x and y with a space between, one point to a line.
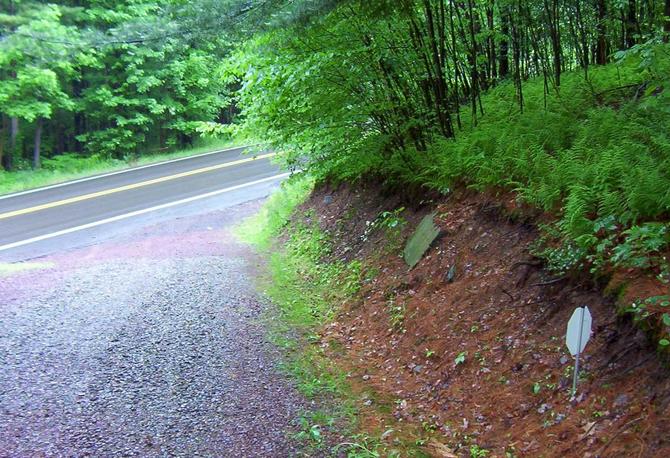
507 317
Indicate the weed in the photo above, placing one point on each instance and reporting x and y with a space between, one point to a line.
460 359
477 452
396 314
392 223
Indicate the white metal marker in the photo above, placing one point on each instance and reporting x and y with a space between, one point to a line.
576 337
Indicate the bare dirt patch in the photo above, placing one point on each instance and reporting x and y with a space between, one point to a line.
469 345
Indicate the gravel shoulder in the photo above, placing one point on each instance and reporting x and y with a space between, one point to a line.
150 345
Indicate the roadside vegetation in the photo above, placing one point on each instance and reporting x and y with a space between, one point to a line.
308 287
577 140
88 87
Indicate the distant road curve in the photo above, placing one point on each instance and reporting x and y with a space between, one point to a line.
34 215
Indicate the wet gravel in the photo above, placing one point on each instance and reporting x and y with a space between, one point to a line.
144 355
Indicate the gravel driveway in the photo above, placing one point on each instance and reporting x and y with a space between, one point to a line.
147 345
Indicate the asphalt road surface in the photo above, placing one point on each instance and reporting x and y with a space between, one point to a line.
142 336
52 213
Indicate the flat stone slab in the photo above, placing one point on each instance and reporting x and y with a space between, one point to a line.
424 235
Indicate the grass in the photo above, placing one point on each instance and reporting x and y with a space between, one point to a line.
71 167
307 289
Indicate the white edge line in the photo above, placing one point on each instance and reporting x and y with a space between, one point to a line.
118 172
138 212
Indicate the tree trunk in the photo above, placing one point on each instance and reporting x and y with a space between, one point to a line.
601 46
666 22
79 117
631 24
490 44
3 128
13 137
555 34
503 58
38 144
583 37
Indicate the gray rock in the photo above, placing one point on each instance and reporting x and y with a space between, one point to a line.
622 401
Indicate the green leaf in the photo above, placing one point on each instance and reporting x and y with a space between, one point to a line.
460 359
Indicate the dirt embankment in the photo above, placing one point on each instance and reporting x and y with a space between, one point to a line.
470 343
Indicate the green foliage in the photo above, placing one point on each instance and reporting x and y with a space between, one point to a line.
460 358
477 452
276 213
116 78
391 223
73 163
307 288
396 311
651 313
352 93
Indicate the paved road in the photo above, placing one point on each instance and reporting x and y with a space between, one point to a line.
141 337
146 344
52 213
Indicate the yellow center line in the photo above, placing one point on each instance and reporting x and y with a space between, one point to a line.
128 187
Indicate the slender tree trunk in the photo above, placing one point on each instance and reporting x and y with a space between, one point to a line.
457 72
516 57
79 117
666 22
13 137
631 23
601 47
490 44
503 69
3 129
474 72
555 34
38 144
583 37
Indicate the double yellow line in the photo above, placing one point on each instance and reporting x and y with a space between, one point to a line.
128 187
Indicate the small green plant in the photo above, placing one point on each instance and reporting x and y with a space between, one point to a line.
362 446
386 220
481 359
537 387
429 353
652 308
477 452
460 358
641 244
428 426
396 314
562 259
